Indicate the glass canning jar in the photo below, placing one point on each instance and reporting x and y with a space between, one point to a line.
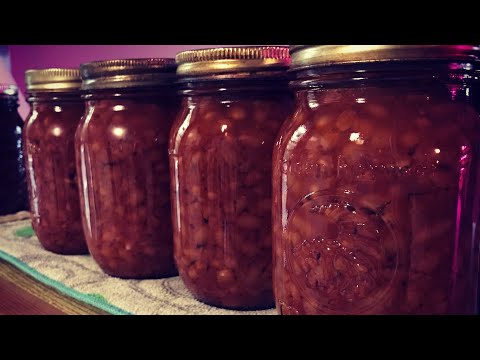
13 189
56 109
122 152
375 182
235 100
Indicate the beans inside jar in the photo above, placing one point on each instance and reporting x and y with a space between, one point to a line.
57 108
122 147
374 196
221 157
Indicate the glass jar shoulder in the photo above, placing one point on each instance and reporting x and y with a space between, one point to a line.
53 122
125 120
393 124
249 121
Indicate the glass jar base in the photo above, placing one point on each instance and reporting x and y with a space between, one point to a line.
63 251
140 275
251 305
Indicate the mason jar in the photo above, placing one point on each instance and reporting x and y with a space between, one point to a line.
234 102
375 182
13 189
122 147
56 109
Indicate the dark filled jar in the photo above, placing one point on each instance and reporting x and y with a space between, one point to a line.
13 188
235 100
375 182
122 147
475 87
56 109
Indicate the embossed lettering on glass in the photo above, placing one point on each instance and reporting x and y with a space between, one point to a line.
375 182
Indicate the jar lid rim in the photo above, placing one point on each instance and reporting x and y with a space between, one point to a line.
225 60
304 56
52 79
127 73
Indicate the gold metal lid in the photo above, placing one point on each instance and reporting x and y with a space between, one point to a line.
232 60
127 73
54 79
304 56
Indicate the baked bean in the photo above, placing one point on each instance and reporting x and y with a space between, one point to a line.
51 172
123 151
370 213
220 158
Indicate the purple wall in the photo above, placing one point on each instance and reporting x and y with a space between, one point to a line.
24 57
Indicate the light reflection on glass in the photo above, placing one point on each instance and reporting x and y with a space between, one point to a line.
437 151
10 91
312 104
118 108
83 173
361 100
56 131
464 172
453 91
355 137
224 127
58 109
118 131
297 135
312 101
292 143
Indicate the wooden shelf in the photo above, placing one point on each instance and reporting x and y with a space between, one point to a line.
20 294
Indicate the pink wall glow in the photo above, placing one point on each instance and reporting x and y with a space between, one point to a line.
24 57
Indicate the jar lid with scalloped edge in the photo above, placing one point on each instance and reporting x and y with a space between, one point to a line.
230 60
128 73
53 79
307 56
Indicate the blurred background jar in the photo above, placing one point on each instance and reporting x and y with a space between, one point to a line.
7 77
122 147
56 110
376 182
234 102
13 188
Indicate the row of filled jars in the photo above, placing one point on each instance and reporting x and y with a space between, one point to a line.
368 192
